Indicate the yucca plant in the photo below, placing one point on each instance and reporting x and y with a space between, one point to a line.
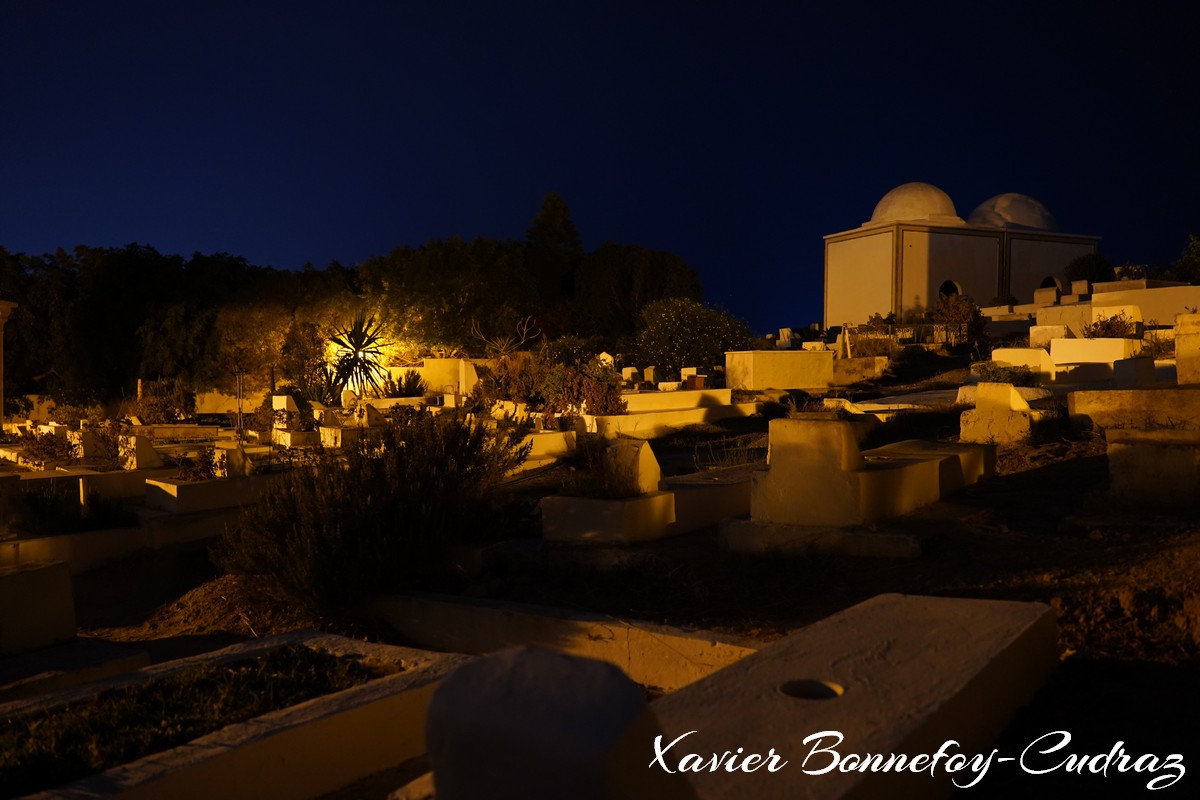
360 354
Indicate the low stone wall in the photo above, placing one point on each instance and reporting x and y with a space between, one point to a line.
119 484
640 402
185 497
658 423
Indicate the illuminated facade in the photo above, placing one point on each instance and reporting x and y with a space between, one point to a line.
915 248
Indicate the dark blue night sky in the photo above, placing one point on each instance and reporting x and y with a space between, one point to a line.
734 134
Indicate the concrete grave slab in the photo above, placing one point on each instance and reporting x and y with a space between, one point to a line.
1146 408
1037 359
818 476
968 395
960 464
704 499
895 674
1154 468
37 606
591 519
1093 351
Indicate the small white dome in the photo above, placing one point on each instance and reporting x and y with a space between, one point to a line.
915 201
1012 210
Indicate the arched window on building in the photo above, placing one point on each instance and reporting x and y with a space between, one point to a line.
949 289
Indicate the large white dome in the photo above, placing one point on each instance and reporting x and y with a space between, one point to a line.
1012 210
915 201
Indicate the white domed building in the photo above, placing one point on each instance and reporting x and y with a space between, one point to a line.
916 248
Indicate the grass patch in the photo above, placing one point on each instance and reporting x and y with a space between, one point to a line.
736 451
117 726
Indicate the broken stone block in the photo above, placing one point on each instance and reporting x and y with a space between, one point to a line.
1001 416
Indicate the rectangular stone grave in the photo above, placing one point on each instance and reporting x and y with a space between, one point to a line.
37 606
893 675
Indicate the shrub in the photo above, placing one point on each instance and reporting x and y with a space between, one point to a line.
164 402
679 333
106 438
991 372
302 418
262 419
47 449
1118 326
71 415
201 467
961 318
572 351
413 385
515 377
377 516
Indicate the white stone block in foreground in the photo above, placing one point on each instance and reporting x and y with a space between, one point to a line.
894 674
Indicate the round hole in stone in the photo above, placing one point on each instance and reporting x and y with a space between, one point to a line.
812 689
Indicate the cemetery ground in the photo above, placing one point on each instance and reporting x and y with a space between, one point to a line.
1124 582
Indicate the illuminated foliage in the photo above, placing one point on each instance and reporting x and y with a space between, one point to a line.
680 333
359 355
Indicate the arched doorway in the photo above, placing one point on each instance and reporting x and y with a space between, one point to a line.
949 289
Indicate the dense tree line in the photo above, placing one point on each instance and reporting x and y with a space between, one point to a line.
92 321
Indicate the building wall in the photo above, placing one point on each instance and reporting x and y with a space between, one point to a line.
859 277
930 257
1032 260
